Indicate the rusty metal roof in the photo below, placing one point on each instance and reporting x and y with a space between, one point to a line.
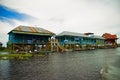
109 36
31 30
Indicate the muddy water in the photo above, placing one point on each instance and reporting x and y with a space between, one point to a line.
78 65
113 69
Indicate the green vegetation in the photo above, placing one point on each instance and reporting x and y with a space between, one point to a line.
4 49
15 56
18 56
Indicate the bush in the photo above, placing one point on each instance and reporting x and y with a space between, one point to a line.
4 49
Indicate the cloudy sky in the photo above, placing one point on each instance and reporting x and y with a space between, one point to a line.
97 16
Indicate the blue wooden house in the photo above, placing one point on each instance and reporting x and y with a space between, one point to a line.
72 40
28 38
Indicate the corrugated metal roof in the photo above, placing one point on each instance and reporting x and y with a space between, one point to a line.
71 34
31 30
67 33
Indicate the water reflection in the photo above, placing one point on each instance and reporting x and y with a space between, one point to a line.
4 52
4 69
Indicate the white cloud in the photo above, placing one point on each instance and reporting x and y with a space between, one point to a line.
98 16
5 28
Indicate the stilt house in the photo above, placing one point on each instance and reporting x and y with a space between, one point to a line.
27 38
77 41
110 39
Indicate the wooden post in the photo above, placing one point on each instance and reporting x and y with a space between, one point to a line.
56 41
57 47
51 45
70 46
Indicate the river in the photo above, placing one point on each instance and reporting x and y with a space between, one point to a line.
77 65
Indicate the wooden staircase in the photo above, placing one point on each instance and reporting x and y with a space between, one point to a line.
59 48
